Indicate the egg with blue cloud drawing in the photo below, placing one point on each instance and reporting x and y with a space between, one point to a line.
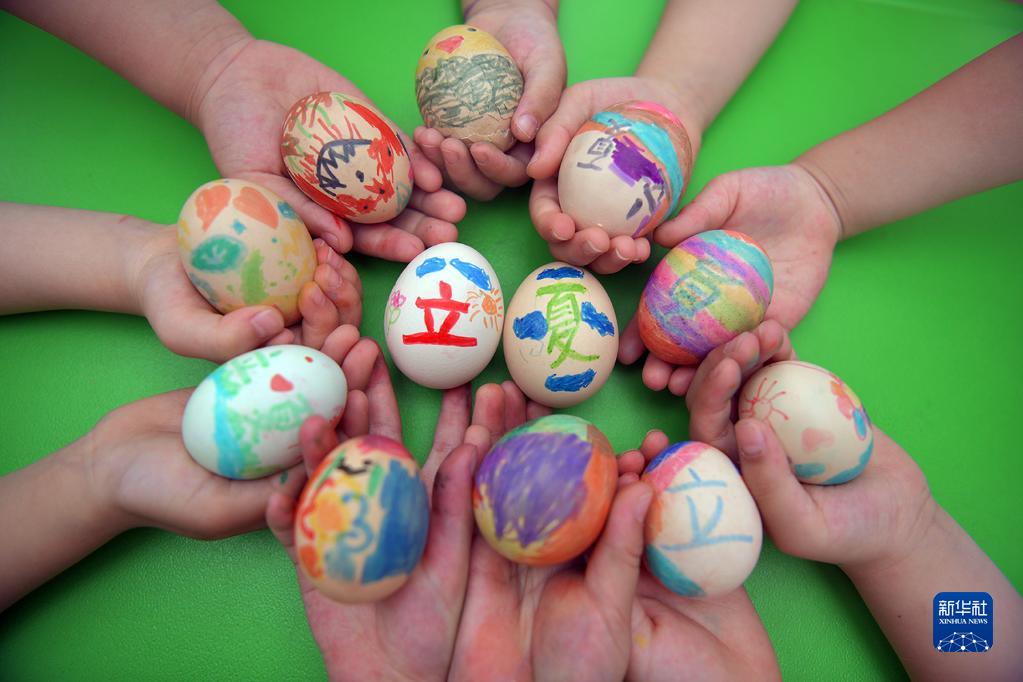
242 421
820 421
561 336
444 316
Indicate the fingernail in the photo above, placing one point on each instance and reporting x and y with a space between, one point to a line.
318 297
266 323
449 156
562 234
642 504
751 438
619 256
527 126
731 346
590 249
333 241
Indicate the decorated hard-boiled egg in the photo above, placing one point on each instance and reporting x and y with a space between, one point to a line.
444 316
703 530
346 157
561 340
543 491
242 421
707 290
468 86
243 245
626 169
361 522
818 419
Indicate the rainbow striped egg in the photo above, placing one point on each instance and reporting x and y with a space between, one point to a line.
707 290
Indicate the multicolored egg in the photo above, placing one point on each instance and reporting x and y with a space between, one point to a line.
561 341
703 531
544 490
468 86
242 421
626 169
243 245
361 522
346 157
444 316
818 419
707 290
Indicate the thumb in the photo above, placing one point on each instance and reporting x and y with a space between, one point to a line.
544 78
613 569
200 332
794 522
709 210
554 136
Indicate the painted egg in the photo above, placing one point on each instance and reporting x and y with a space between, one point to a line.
707 290
818 419
561 341
703 530
361 522
444 316
626 169
468 86
242 421
243 245
543 491
346 157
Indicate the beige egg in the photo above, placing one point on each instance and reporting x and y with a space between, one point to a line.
243 245
561 338
703 531
468 86
820 422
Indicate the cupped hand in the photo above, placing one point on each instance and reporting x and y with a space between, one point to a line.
189 326
591 247
529 31
241 116
561 622
140 462
410 634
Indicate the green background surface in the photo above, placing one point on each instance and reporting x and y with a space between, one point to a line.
922 318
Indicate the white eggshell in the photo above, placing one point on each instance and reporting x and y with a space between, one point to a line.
444 316
561 341
242 421
703 531
820 422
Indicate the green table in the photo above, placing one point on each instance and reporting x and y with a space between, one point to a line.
921 318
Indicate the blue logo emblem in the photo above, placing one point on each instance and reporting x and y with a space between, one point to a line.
964 622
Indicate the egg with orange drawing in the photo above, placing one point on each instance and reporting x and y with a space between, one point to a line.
243 420
362 520
468 86
819 420
345 155
242 245
702 532
542 493
444 315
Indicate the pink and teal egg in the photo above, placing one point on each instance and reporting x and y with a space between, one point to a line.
705 292
544 490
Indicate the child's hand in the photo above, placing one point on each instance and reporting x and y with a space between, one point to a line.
241 115
188 325
591 247
560 622
529 31
785 210
676 638
874 519
374 641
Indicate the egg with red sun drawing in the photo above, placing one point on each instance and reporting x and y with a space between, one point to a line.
345 155
242 421
820 422
444 316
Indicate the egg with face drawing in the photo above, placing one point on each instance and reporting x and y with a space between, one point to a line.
444 316
543 492
625 169
241 245
820 422
362 520
346 157
242 421
561 340
702 530
468 86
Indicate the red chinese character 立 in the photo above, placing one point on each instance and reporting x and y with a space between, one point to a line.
443 336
